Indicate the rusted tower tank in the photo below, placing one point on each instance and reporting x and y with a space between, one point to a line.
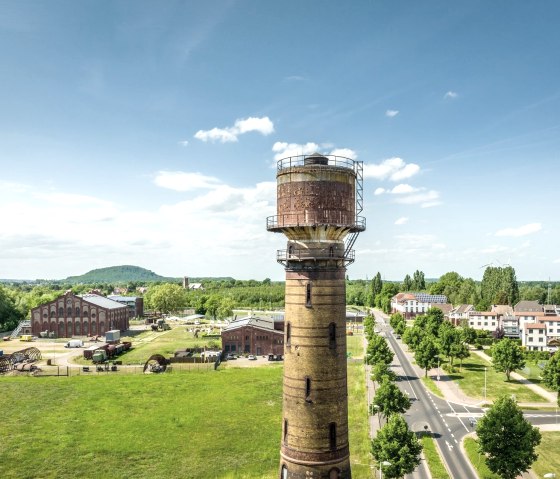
319 200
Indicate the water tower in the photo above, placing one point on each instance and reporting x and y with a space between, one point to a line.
319 198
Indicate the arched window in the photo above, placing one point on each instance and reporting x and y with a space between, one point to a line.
53 313
308 389
60 312
331 251
308 295
69 329
77 329
284 473
69 311
285 434
77 311
332 436
288 334
332 336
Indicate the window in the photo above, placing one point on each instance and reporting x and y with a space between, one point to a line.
77 311
285 435
334 473
308 389
288 334
332 436
284 474
61 311
332 336
308 295
69 310
53 314
331 251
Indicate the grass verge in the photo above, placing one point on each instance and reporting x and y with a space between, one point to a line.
549 459
477 460
437 469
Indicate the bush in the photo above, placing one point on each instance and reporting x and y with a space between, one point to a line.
478 346
448 368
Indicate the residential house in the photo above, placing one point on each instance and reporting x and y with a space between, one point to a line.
411 305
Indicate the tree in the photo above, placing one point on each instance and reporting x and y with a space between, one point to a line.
398 445
412 337
378 351
468 335
225 309
499 333
448 338
461 351
426 354
389 399
407 283
507 357
375 289
507 439
499 286
166 297
418 281
551 374
380 372
212 305
9 314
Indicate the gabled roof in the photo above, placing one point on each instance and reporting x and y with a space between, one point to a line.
102 301
528 306
535 326
462 309
445 307
266 324
502 309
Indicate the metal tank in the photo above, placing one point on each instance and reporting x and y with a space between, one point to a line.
319 199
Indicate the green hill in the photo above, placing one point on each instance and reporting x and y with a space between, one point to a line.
118 274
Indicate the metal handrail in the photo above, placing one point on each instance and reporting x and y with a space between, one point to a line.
299 160
291 220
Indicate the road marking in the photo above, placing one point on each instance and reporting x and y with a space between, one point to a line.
449 445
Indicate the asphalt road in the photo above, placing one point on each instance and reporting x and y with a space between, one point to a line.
448 422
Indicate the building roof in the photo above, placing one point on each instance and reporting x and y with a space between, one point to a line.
115 297
445 307
102 301
462 309
502 309
254 321
421 297
535 326
528 306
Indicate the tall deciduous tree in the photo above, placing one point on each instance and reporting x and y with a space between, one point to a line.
396 444
499 285
418 281
507 439
507 357
407 283
9 314
381 372
166 297
426 354
389 399
378 351
551 374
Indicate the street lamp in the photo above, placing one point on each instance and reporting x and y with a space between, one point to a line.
485 369
383 463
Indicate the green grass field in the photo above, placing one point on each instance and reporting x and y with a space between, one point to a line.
437 469
478 460
471 381
200 425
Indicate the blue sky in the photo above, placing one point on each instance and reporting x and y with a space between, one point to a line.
147 133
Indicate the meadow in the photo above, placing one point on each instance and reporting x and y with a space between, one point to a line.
217 424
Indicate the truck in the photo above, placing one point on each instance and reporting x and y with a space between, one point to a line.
26 337
74 343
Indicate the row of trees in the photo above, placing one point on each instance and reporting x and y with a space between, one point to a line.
395 447
505 437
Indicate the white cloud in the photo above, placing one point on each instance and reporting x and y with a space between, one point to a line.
556 260
424 198
450 94
403 188
402 221
520 231
229 134
394 169
391 113
283 149
184 181
379 191
184 142
345 152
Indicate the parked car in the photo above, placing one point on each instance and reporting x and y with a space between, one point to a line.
230 356
252 357
473 421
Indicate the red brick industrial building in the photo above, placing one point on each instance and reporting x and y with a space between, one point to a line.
254 335
71 315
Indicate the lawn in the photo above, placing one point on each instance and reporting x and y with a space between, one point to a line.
471 382
217 424
355 345
436 467
478 460
549 459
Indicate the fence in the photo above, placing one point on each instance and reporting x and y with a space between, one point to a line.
96 370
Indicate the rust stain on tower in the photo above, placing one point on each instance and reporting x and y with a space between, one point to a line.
319 202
